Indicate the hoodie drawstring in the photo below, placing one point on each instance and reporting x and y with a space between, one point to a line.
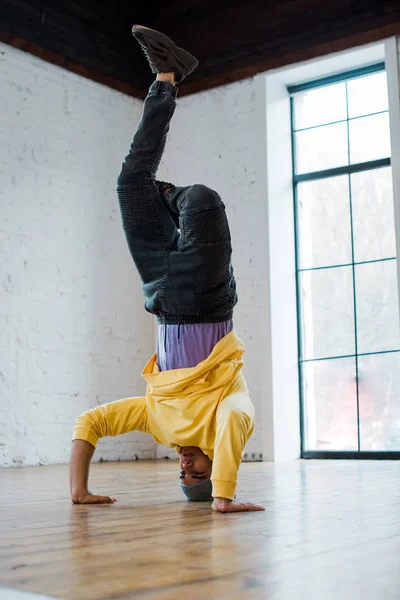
165 332
179 330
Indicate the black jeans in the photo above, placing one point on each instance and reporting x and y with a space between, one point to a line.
180 243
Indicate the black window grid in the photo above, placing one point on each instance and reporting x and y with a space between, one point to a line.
323 174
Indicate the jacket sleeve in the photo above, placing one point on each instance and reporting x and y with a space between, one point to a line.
234 426
112 419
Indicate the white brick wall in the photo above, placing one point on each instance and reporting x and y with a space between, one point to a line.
217 139
72 325
73 328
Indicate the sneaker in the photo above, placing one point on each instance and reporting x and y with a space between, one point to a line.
163 55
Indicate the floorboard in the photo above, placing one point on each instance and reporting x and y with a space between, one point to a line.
331 531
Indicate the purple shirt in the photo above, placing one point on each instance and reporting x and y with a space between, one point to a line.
194 343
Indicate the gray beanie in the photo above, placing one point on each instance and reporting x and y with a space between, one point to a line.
200 492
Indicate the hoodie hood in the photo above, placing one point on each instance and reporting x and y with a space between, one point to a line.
182 403
214 372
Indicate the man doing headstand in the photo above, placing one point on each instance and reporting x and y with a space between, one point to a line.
197 399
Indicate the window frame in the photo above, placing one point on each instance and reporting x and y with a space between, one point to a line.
347 170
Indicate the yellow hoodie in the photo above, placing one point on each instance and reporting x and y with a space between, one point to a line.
207 406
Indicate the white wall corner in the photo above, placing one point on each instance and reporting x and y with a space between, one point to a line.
282 416
265 413
392 60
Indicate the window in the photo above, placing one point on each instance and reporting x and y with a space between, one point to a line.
348 315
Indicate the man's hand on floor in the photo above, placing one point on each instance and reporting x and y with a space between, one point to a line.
89 498
229 506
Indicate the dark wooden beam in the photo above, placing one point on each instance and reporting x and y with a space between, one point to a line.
242 68
98 40
71 65
232 40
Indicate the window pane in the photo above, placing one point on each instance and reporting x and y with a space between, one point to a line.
324 222
373 215
320 106
369 138
330 398
377 307
327 312
367 94
336 126
321 148
379 393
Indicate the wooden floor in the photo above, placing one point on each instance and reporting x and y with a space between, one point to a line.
331 531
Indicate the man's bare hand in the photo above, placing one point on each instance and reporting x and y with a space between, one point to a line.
224 505
89 498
